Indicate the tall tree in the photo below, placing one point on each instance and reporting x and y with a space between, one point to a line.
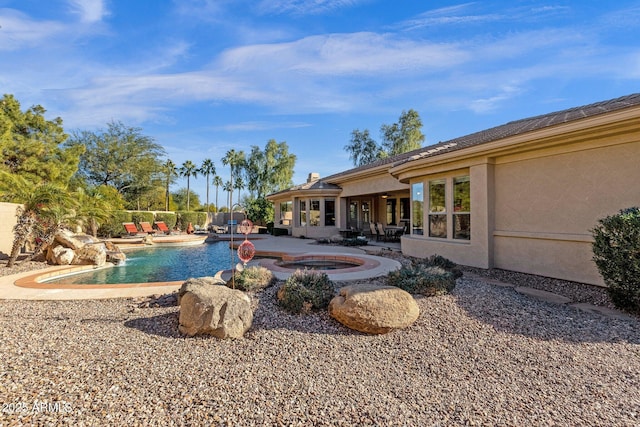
363 149
238 184
170 172
188 169
119 156
398 138
217 182
228 187
207 169
235 160
269 170
33 147
406 135
180 199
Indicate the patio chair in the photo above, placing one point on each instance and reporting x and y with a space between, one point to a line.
374 231
161 226
146 228
381 231
130 228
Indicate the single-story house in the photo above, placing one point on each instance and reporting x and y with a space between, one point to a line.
523 196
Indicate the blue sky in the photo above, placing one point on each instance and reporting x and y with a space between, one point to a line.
204 76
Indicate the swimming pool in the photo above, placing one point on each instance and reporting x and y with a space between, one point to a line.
161 264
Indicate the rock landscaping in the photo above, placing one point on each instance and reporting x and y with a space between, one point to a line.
484 354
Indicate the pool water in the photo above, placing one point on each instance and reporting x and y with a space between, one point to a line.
161 264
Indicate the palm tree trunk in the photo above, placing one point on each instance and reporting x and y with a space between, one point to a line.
207 193
21 232
188 191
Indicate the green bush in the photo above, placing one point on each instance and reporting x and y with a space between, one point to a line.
253 279
444 263
305 290
431 276
139 216
113 227
195 218
169 218
616 249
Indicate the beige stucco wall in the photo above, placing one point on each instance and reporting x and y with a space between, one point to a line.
535 203
477 251
7 221
546 203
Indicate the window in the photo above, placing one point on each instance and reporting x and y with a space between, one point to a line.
404 208
314 213
285 213
462 208
329 212
353 215
391 212
303 213
417 211
365 212
437 209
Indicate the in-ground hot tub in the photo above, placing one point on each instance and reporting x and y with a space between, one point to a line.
336 266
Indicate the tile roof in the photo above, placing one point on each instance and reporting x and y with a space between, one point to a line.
503 131
319 184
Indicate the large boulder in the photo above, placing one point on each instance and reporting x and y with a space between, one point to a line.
374 309
68 239
95 254
209 307
59 255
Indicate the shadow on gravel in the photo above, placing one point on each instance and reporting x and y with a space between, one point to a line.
511 312
164 325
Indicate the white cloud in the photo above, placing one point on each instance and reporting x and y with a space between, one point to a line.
304 7
260 126
18 31
90 11
340 54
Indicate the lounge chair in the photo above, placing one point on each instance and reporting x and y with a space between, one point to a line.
147 228
130 228
161 226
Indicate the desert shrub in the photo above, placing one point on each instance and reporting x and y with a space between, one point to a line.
442 262
422 279
253 279
305 290
432 276
169 218
139 216
616 249
113 227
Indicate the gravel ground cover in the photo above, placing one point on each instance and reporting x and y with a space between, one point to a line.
484 355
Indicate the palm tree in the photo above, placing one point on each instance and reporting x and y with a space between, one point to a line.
239 184
170 173
208 169
93 208
228 188
45 209
188 169
217 181
235 160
